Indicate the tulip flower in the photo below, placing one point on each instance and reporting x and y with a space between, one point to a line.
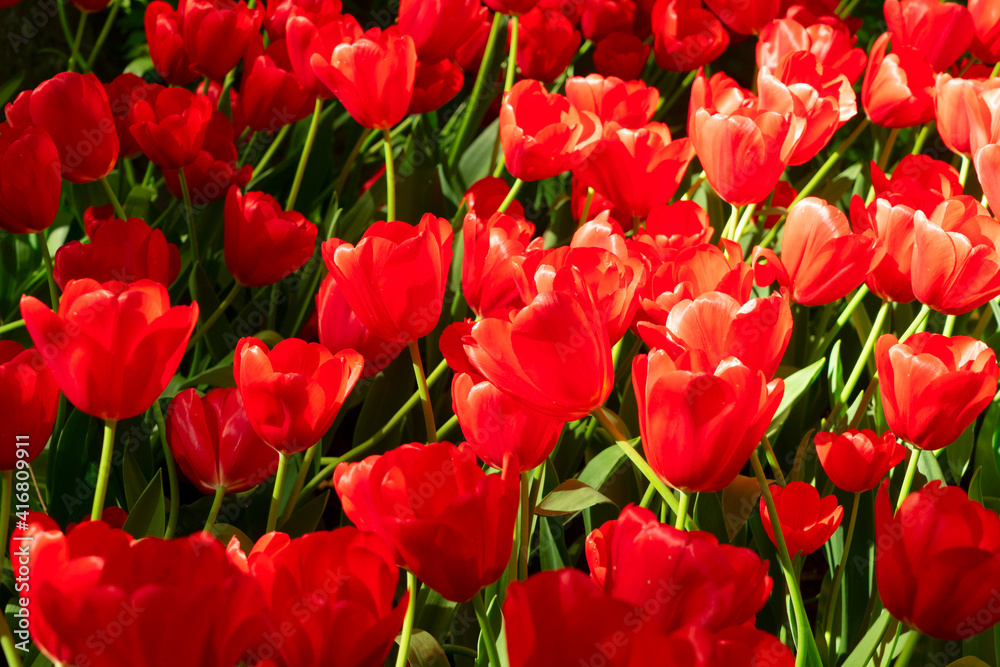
694 271
856 461
542 134
496 425
123 93
710 585
831 42
718 94
492 250
627 104
688 36
580 194
782 197
214 444
941 31
918 181
278 13
933 559
28 411
309 36
217 34
986 24
893 226
439 27
435 85
271 96
485 196
331 594
394 279
371 76
669 228
745 18
215 170
546 45
112 348
121 250
30 181
600 18
264 243
964 113
956 256
821 259
622 55
171 129
166 43
426 496
898 90
807 521
340 329
637 170
293 393
934 386
73 110
701 445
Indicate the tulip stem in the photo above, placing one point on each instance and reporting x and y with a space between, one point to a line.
304 158
279 483
390 176
351 159
49 270
949 325
74 54
425 398
524 546
845 315
8 489
258 168
411 612
839 576
805 643
866 352
512 56
104 469
963 172
189 213
682 510
174 485
207 324
916 323
213 514
981 325
446 427
890 142
113 198
911 644
586 205
744 220
489 637
640 463
10 326
511 196
772 460
476 97
6 638
300 479
918 143
911 471
103 35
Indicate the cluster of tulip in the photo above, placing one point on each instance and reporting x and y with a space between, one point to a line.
660 409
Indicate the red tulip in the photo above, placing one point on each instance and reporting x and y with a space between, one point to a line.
934 386
439 27
271 97
918 181
694 271
621 54
73 109
309 36
371 76
214 444
263 242
28 411
941 31
215 170
719 94
933 559
669 228
424 496
580 194
30 181
546 45
745 18
600 18
279 12
217 34
493 249
856 461
395 277
293 393
688 36
638 170
986 23
832 43
628 104
807 521
701 445
542 134
484 197
511 7
171 130
435 85
121 250
328 594
964 114
123 93
781 198
893 226
496 425
553 354
898 90
113 348
340 329
636 558
166 44
821 259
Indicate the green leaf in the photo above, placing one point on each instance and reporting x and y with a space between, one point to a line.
135 481
203 292
602 466
392 387
220 375
475 162
71 488
976 486
570 497
835 374
552 544
865 649
306 518
959 452
709 516
137 203
148 516
968 661
928 466
796 385
11 86
425 651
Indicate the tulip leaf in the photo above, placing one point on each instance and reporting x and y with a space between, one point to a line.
436 614
306 518
601 467
835 374
976 486
11 86
959 452
475 162
425 651
709 515
137 202
928 466
968 661
148 515
135 480
220 375
71 491
393 386
569 497
796 385
226 532
208 302
865 649
552 544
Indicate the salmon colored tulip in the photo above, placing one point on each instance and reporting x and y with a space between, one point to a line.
898 90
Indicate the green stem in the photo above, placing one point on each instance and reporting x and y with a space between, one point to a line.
511 196
522 558
866 352
74 54
744 221
442 432
911 644
647 497
390 177
949 325
425 399
113 198
411 612
512 56
16 324
887 148
839 576
682 510
300 480
279 483
963 172
304 158
189 212
207 324
6 638
213 514
174 484
489 637
455 649
981 325
351 159
911 471
104 470
918 143
772 460
916 323
852 305
475 98
586 205
103 35
269 153
50 275
996 70
7 480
